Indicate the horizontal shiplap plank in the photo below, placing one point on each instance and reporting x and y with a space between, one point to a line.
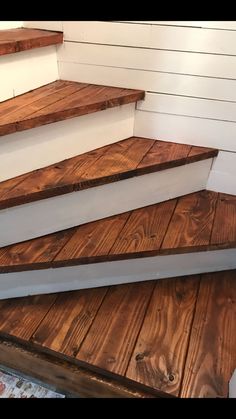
53 25
188 130
209 65
10 24
188 106
178 84
217 24
152 36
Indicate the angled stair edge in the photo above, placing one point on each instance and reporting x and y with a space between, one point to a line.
131 247
129 174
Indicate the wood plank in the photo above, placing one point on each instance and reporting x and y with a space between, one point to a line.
201 153
8 107
64 375
224 228
121 159
40 104
20 318
211 356
112 336
66 324
163 152
78 99
91 240
38 252
144 230
192 222
159 355
21 39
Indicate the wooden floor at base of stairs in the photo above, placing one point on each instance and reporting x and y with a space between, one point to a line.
171 337
122 160
197 222
21 39
58 101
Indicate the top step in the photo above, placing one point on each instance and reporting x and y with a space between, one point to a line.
21 39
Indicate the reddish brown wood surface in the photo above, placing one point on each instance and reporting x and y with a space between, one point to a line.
131 157
173 336
112 336
186 224
21 39
167 324
211 357
58 101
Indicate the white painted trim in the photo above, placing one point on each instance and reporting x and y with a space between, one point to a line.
27 70
19 284
223 173
24 151
58 213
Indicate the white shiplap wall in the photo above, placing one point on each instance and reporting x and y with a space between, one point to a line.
188 70
7 24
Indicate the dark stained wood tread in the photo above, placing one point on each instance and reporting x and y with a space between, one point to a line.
58 101
122 160
21 39
200 221
172 336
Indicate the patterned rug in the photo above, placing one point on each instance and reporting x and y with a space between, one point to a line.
13 386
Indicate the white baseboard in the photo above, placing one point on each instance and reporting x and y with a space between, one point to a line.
27 70
24 151
19 284
46 216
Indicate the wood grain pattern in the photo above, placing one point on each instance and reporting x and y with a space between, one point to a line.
37 253
145 229
74 99
160 337
21 39
67 323
20 318
211 356
112 336
159 356
192 222
160 229
92 240
127 158
224 228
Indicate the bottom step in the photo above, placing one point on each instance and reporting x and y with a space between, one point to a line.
189 235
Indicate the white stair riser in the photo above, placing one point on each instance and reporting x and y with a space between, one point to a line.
24 151
46 216
46 281
27 70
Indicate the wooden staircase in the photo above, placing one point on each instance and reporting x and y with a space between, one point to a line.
85 204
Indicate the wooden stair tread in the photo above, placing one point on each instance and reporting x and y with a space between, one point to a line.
160 336
127 158
192 223
21 39
58 101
